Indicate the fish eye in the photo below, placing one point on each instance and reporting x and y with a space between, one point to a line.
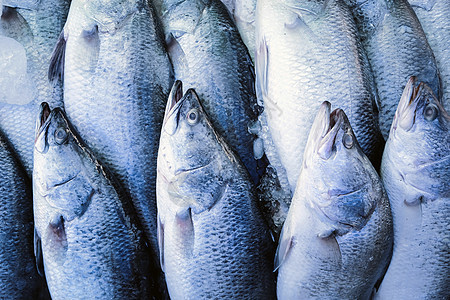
348 140
430 112
60 135
192 116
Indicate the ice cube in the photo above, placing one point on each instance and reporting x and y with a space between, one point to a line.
16 86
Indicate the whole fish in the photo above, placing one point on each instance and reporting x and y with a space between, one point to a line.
18 275
434 18
416 174
308 52
208 55
337 239
86 232
245 18
117 76
36 31
213 241
397 49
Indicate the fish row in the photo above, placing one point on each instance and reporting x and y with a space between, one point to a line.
336 241
183 204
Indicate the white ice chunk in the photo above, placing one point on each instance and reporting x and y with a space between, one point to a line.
258 148
15 85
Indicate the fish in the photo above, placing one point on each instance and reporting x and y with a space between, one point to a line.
35 31
337 239
433 16
117 76
213 241
416 173
309 52
88 238
397 48
19 278
245 18
208 55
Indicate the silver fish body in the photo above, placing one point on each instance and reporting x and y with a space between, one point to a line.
18 275
117 76
308 52
214 243
37 31
397 48
434 18
86 231
416 173
337 238
208 55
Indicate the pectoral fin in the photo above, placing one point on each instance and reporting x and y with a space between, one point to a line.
160 233
285 244
184 232
56 68
261 66
331 249
38 253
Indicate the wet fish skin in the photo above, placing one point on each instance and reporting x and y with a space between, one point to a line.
397 48
37 30
433 16
415 171
230 4
214 243
91 245
337 238
18 275
27 4
308 52
208 55
117 76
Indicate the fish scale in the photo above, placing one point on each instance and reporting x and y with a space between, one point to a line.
307 53
213 240
116 83
337 238
37 30
211 57
89 240
397 49
415 171
433 16
18 275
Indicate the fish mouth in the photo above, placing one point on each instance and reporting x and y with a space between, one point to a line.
323 133
416 96
43 119
332 123
407 106
173 105
174 101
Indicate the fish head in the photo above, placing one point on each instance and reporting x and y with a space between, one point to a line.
347 187
59 165
192 156
420 138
